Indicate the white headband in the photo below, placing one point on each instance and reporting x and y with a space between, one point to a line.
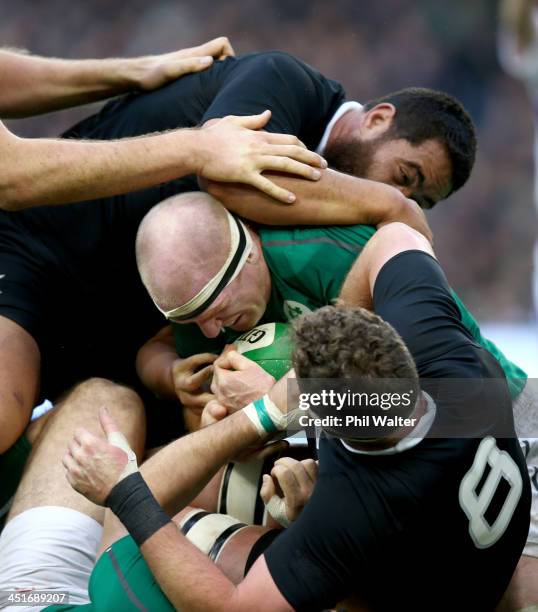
240 247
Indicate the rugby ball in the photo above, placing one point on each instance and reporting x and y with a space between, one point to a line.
269 345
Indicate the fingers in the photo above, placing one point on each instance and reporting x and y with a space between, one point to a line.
188 65
195 400
218 47
72 462
267 489
216 410
286 164
311 468
73 447
299 153
218 380
296 479
69 462
194 361
252 122
72 471
194 381
272 189
213 412
108 424
184 374
305 471
83 437
283 140
232 360
287 481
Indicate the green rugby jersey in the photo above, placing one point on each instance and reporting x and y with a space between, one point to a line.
308 267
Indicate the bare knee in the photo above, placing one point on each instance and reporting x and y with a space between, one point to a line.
122 402
100 391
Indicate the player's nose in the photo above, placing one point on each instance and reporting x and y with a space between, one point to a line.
210 329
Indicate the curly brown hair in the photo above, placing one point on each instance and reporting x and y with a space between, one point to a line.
348 342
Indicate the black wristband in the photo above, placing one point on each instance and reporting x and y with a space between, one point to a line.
134 504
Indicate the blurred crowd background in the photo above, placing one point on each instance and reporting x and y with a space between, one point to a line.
484 233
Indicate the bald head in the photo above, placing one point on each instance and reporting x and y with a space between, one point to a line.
181 244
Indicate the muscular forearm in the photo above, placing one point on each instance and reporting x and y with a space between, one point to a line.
177 473
154 364
42 171
335 199
32 85
178 567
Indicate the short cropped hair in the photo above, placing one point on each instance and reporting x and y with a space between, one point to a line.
349 342
425 114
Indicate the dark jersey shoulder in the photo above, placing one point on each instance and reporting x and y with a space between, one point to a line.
301 99
413 295
400 529
87 249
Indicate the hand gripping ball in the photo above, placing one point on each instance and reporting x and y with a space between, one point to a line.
269 345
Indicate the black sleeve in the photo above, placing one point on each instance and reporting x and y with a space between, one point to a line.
412 293
320 559
301 99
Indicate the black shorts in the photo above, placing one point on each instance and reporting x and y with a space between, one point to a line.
72 283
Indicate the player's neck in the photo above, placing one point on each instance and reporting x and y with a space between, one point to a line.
348 124
389 441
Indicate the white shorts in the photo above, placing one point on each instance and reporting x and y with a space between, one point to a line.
49 548
526 423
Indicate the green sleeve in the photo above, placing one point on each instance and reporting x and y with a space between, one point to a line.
515 376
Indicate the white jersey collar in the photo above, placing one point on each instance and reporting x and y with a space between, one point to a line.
415 436
344 108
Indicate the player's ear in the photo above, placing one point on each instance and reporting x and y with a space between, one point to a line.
378 119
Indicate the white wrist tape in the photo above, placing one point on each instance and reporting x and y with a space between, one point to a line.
265 416
276 507
252 414
276 415
118 439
